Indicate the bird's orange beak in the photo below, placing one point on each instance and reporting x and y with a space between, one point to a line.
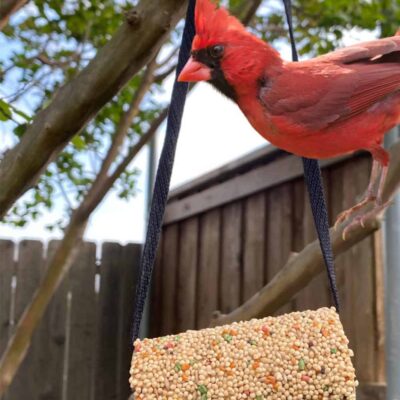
194 71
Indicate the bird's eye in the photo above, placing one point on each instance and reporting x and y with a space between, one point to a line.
216 51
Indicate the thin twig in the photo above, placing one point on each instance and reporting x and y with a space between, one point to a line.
168 58
163 75
101 186
127 118
63 191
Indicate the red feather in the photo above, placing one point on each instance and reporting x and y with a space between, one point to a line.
324 107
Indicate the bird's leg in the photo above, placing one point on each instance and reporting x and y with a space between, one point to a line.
382 158
369 196
379 204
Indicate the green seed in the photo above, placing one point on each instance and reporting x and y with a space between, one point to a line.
178 367
202 389
228 338
333 351
302 364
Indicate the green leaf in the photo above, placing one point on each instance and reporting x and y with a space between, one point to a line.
78 142
5 111
20 113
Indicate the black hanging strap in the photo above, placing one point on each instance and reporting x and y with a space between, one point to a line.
161 187
313 178
163 176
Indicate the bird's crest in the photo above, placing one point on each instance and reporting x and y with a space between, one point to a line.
213 23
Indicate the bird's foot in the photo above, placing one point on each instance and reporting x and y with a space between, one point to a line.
363 218
345 215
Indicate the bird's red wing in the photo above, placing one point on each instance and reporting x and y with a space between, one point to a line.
335 87
375 84
362 51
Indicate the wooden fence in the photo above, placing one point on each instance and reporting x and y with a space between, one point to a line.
227 234
81 349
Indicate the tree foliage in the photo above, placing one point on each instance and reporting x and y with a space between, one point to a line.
49 42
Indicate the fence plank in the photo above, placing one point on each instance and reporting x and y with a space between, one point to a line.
355 274
308 298
371 391
238 187
28 272
380 307
51 334
107 344
169 279
6 273
130 263
363 285
254 245
82 328
279 233
155 313
208 274
231 257
344 275
187 271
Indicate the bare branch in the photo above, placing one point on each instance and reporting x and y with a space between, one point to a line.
162 75
60 262
246 10
57 266
44 59
303 267
168 58
63 191
7 8
101 187
127 118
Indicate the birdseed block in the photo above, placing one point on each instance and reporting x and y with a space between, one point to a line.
301 355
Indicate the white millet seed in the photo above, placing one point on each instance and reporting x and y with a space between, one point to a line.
302 355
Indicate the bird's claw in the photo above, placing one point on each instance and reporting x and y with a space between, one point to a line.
345 215
364 218
353 224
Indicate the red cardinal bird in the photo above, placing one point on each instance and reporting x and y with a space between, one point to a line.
328 106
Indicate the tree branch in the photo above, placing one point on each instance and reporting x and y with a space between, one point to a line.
44 59
169 57
61 261
303 267
132 46
101 187
127 118
58 265
7 8
162 75
246 10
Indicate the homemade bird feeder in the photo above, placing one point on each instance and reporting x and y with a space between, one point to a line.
300 355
